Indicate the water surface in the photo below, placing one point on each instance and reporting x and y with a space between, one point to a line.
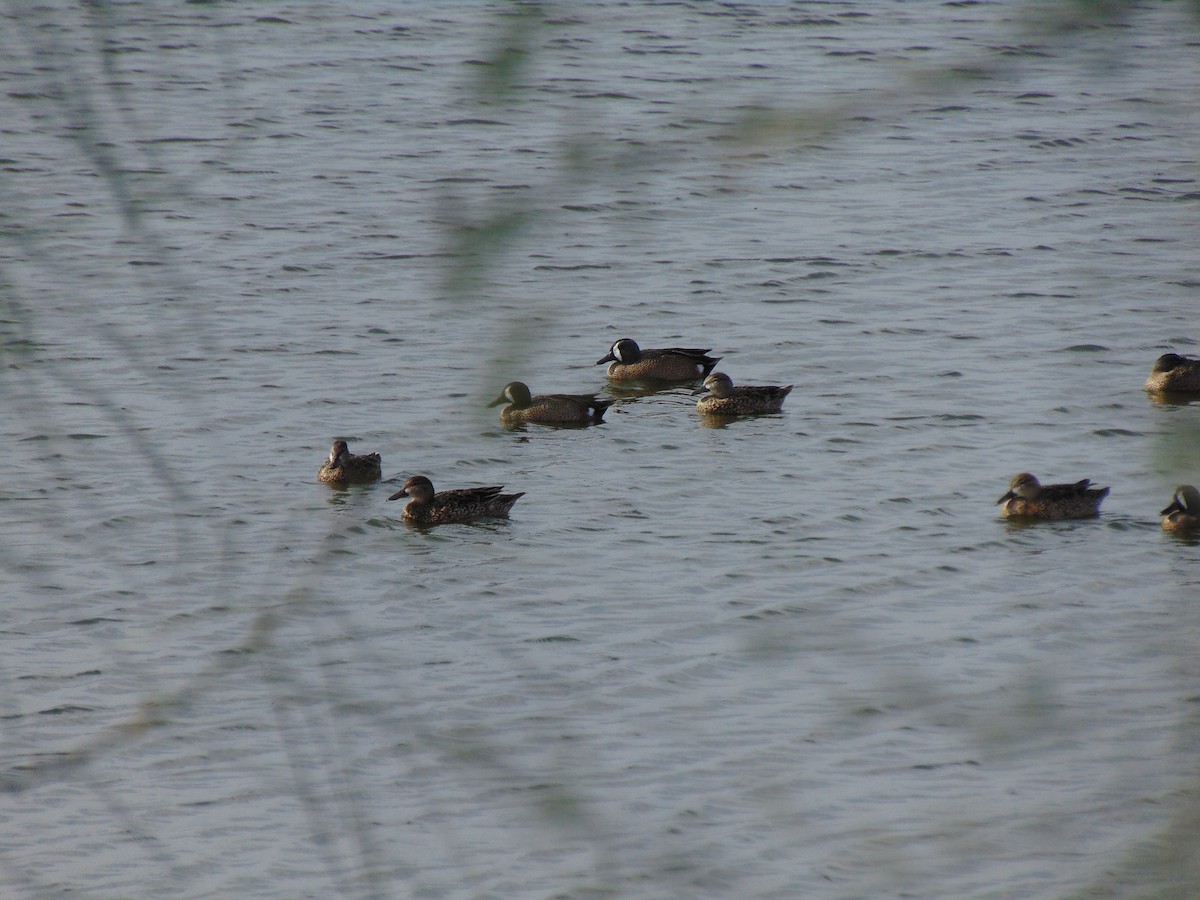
798 655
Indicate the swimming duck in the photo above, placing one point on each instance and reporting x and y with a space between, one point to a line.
631 363
1027 498
1172 372
343 467
723 399
1184 512
549 409
461 505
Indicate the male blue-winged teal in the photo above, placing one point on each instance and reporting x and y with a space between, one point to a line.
631 363
1027 498
549 409
1184 512
723 399
444 507
1173 372
343 467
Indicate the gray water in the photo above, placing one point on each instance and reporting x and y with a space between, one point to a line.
798 655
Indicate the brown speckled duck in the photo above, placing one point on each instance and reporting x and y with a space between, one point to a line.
462 505
1184 512
723 399
343 467
1027 498
1174 373
631 363
549 409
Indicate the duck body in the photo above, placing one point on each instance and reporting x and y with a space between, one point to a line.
549 409
463 505
631 363
723 399
343 467
1174 373
1028 498
1184 512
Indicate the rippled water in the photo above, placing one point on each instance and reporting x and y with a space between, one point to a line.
798 655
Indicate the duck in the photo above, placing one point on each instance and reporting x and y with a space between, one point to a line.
343 467
723 399
549 409
1184 512
1028 498
1172 372
461 505
631 363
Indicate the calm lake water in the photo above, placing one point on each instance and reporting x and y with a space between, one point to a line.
796 656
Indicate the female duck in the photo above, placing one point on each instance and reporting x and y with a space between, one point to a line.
462 505
723 399
1027 498
549 409
1173 372
1184 512
631 363
343 467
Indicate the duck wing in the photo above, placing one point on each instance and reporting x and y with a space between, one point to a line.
584 399
474 495
1062 491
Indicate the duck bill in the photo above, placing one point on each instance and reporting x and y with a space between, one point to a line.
1011 495
498 401
1174 507
609 358
400 493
